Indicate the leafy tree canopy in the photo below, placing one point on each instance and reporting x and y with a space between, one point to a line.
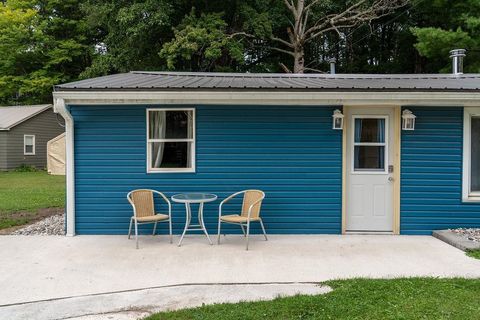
454 24
200 42
42 43
128 34
46 42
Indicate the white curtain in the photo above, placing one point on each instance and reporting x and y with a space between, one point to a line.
475 161
157 127
189 136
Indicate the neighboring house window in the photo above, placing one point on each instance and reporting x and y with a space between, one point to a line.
471 155
171 140
29 145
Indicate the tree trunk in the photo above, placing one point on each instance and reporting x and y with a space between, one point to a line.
302 31
298 60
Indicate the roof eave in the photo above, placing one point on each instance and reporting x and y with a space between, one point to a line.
272 97
276 89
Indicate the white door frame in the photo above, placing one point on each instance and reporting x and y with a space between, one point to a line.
396 163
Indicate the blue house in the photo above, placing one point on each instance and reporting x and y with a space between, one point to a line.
340 153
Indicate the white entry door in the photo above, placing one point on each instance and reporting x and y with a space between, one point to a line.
370 156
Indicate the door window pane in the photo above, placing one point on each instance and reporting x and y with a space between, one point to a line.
370 130
475 154
370 158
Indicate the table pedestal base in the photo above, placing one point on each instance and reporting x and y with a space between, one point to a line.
194 227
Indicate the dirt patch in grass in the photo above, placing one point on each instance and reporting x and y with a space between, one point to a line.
16 220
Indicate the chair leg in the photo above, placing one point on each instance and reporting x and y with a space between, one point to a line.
243 229
154 228
263 229
130 228
218 238
248 232
136 234
170 228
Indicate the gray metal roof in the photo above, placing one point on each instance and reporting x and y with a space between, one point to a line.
12 116
160 81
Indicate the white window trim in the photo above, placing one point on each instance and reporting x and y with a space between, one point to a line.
373 144
467 195
192 145
25 136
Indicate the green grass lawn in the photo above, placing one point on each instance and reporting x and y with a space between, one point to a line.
474 253
415 298
22 194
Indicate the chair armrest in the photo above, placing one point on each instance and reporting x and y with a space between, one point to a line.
129 198
228 199
253 205
166 200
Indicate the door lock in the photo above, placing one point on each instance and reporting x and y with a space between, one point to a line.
391 179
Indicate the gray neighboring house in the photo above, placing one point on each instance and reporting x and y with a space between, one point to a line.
24 133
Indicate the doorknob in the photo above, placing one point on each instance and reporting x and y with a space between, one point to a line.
391 179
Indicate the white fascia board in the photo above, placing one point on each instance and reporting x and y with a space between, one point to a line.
270 98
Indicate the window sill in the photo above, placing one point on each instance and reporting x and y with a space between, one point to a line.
190 170
473 198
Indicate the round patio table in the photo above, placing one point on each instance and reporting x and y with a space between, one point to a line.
187 199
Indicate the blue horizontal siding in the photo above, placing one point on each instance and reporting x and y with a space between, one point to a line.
289 152
431 182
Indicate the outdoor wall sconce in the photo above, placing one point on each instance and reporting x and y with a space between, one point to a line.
337 120
408 120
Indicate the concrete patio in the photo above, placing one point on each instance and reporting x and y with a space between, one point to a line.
40 268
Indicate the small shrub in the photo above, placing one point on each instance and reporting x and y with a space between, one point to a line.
26 168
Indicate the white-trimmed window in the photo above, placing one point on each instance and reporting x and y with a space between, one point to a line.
29 144
471 154
171 140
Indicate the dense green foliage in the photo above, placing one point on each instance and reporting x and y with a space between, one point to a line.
416 298
200 42
27 192
127 35
449 24
45 42
42 43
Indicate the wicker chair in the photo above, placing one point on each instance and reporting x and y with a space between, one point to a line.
144 211
252 201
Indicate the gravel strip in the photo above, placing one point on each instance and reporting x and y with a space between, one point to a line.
51 226
472 234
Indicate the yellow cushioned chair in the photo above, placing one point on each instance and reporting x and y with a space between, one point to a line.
144 211
252 201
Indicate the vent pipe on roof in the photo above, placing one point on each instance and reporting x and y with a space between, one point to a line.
332 62
457 56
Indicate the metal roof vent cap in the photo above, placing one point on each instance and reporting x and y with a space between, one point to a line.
332 62
457 56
